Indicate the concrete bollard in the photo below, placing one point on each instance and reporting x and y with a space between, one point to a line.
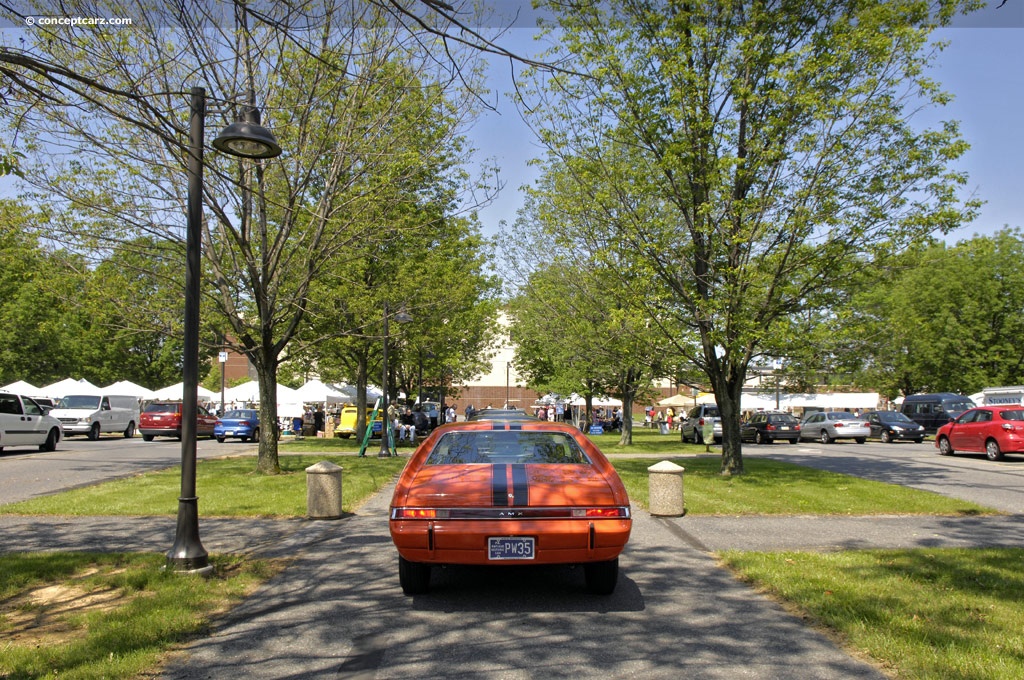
665 489
323 491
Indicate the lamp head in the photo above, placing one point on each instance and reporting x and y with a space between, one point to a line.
246 138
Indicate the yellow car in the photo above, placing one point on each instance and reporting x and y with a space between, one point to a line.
349 415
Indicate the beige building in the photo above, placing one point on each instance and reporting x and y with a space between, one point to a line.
499 386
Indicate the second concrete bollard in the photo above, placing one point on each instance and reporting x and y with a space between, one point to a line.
665 489
323 490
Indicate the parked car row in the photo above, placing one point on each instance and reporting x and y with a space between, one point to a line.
887 426
26 422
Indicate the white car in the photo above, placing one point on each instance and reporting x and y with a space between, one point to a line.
828 427
23 422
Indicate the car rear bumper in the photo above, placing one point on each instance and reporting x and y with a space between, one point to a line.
244 432
907 436
465 541
160 432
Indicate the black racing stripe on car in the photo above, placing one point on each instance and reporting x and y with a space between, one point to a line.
499 485
515 426
498 426
520 486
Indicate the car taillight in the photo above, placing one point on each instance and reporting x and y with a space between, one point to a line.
601 512
769 426
700 422
220 422
243 423
796 427
419 513
838 425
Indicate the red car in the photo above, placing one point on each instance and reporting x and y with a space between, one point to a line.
508 492
994 430
163 419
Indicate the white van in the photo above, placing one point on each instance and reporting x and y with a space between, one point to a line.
91 414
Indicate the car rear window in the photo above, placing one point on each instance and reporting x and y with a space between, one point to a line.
162 408
782 419
1013 415
239 415
509 446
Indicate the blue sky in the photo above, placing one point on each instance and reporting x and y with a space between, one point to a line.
982 67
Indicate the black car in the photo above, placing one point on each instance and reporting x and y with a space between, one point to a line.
891 426
765 428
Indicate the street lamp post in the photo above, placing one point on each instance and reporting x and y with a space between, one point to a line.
385 434
246 139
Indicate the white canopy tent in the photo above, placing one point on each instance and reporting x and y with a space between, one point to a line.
250 392
317 391
835 401
68 386
176 391
596 401
128 388
21 387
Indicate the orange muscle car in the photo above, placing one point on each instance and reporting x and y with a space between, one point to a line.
509 492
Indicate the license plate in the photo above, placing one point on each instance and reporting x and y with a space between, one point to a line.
229 432
784 428
509 548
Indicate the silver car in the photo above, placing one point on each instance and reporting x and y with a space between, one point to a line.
827 427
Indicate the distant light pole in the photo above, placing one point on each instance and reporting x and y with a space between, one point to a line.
508 365
385 445
246 139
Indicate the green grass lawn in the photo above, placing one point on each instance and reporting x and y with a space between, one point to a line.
227 487
771 487
926 613
108 615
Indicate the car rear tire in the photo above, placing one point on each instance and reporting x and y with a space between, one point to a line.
414 576
759 438
220 440
945 448
94 432
992 451
860 440
51 441
824 438
795 441
256 435
602 577
885 437
129 431
147 437
696 436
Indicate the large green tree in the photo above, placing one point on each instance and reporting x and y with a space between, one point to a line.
576 327
344 102
751 156
940 318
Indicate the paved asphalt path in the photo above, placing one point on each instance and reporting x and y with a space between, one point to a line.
338 612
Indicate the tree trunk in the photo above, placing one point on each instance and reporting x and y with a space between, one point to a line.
267 462
626 438
727 395
361 380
